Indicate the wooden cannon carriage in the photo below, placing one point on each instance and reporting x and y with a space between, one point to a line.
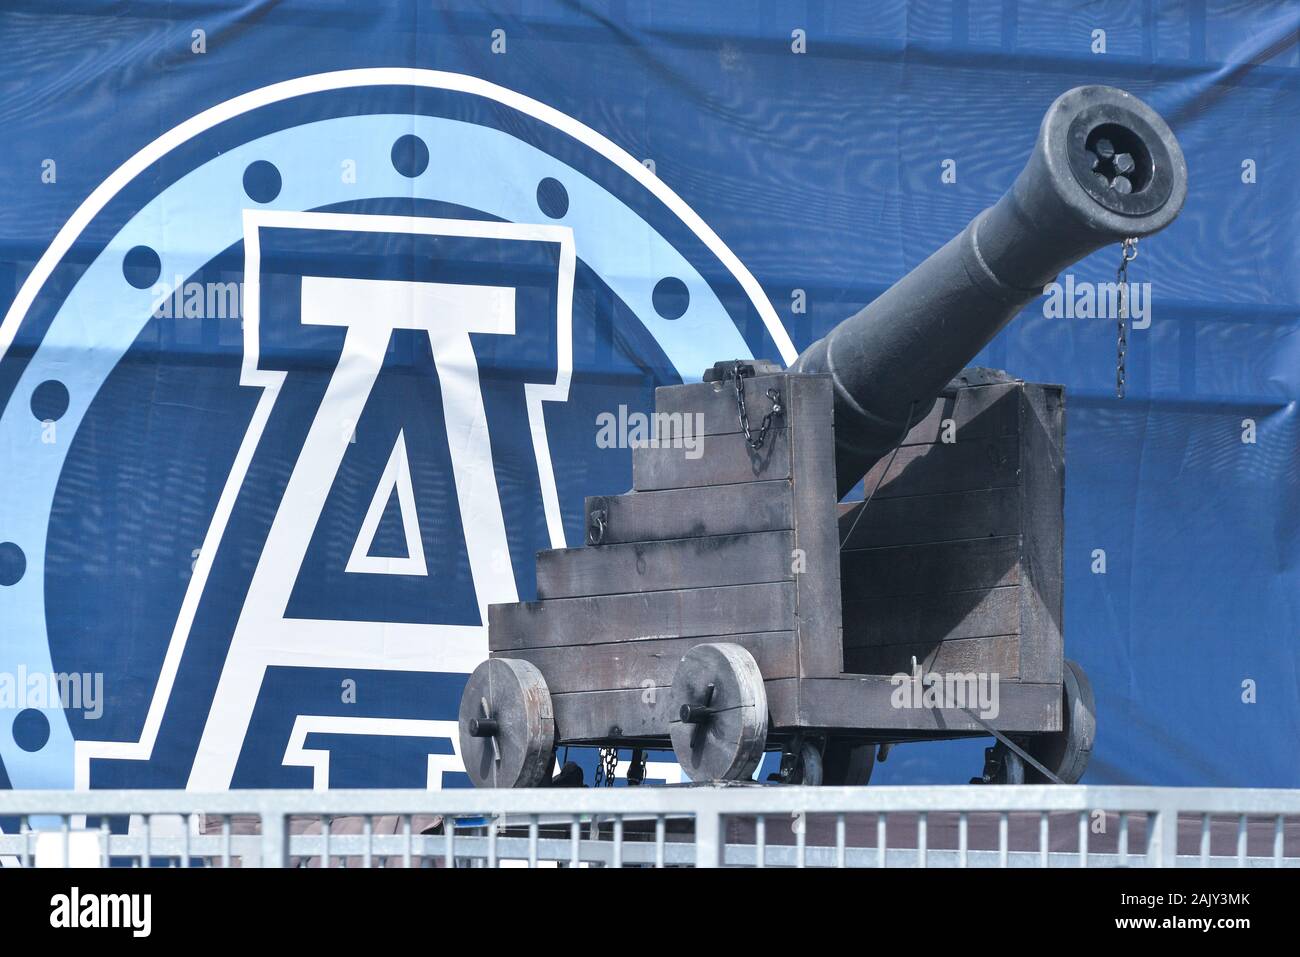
729 604
738 569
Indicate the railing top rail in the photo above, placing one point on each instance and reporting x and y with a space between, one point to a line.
660 800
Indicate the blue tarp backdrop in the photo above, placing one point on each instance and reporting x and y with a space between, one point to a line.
311 309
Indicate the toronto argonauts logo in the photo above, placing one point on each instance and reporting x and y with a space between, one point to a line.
297 393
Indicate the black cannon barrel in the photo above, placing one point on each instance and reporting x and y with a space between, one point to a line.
1105 167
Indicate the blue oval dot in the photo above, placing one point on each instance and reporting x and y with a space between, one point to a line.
552 198
671 297
13 563
262 181
141 267
410 156
31 729
49 400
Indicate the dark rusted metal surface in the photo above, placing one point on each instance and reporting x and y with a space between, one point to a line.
891 359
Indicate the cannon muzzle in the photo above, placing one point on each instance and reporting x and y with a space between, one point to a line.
1105 167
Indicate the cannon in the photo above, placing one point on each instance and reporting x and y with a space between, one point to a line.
733 603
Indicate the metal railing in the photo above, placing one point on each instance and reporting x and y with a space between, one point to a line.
964 826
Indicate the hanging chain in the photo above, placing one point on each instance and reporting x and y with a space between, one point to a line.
606 768
1128 253
755 443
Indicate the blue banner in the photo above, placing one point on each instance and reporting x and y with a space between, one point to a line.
311 312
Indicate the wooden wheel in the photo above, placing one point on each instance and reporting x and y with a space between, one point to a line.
1066 752
507 728
719 708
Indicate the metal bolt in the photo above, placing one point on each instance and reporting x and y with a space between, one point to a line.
1124 163
694 713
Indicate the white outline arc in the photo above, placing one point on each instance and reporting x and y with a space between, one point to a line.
100 197
384 76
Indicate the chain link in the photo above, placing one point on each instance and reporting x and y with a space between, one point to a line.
606 768
765 426
597 527
1128 253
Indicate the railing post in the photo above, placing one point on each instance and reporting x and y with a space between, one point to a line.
1162 845
708 834
274 839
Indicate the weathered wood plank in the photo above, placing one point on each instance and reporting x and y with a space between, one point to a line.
999 655
712 405
976 412
1042 519
864 702
596 715
905 619
816 536
660 566
717 460
734 609
938 517
691 513
970 464
979 412
649 664
930 569
641 713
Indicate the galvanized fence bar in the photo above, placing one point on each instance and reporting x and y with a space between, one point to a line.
708 838
640 826
274 845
